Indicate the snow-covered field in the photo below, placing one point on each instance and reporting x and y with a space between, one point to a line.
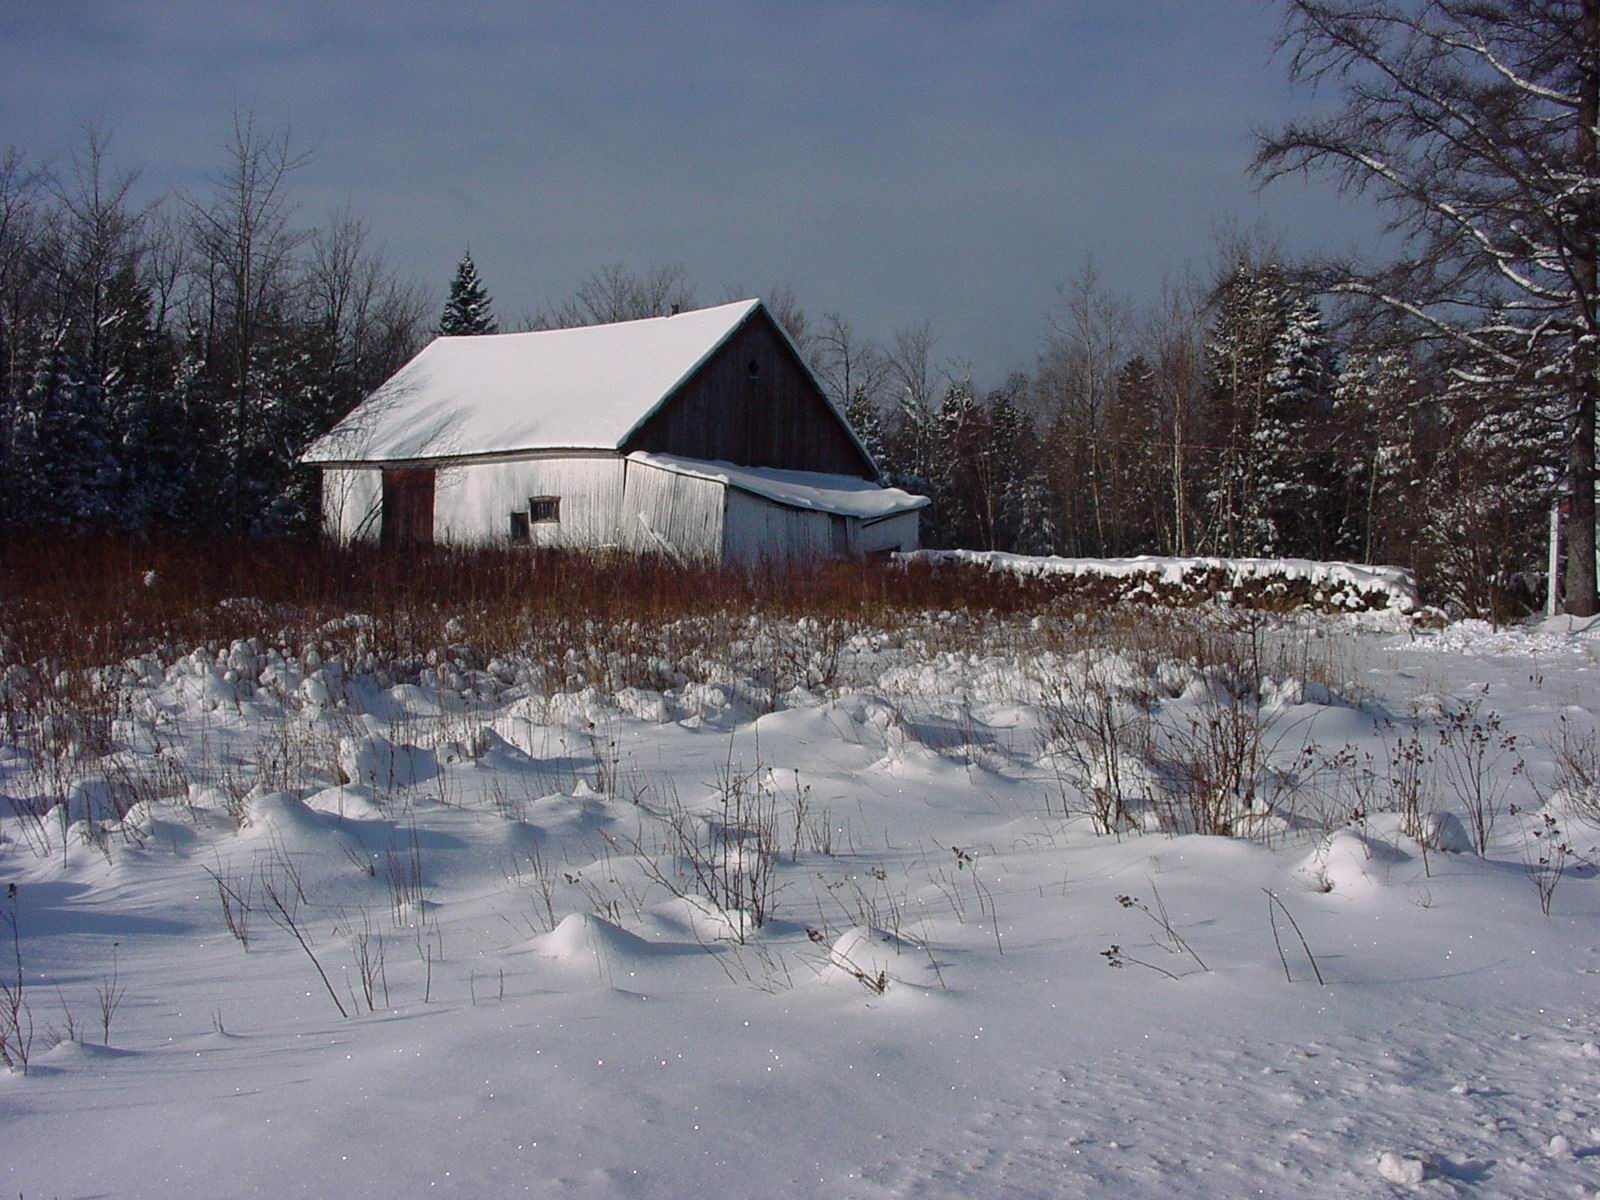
933 922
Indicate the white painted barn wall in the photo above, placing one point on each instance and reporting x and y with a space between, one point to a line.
682 510
473 502
352 503
602 497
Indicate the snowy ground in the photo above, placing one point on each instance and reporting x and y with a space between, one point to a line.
926 1008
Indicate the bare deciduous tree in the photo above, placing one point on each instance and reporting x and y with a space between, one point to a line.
1083 353
848 365
916 382
615 293
245 244
1473 124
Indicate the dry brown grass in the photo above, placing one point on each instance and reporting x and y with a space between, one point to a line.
88 600
71 607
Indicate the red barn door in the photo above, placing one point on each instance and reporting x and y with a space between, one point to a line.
407 508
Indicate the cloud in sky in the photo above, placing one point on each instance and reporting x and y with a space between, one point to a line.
892 161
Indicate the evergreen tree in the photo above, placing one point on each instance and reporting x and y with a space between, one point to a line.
65 461
1270 385
469 310
147 431
865 417
1494 472
1022 522
1294 467
1239 358
1133 458
1377 438
192 493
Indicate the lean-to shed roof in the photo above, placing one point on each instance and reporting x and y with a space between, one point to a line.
843 495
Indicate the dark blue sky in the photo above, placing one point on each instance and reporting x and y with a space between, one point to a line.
892 161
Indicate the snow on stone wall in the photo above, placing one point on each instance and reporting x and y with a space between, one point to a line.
1351 586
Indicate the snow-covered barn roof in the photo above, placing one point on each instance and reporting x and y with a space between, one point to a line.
559 389
843 495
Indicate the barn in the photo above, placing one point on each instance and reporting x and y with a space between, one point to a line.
702 436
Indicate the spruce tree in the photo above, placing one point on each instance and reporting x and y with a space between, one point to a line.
866 419
1270 383
1378 440
469 309
1295 474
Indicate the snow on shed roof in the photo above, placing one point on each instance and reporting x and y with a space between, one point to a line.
843 495
555 389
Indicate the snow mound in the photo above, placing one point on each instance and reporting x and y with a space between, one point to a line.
1547 638
581 938
279 815
1444 831
1435 831
71 1050
1406 1170
702 920
877 960
643 705
1290 693
350 802
415 701
90 800
1350 864
377 762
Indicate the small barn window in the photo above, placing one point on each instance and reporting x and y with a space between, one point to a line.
753 367
519 527
544 509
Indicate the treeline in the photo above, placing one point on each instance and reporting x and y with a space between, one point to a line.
1237 415
161 365
1226 419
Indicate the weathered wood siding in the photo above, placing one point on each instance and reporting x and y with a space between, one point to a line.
757 530
755 404
899 532
602 498
473 502
352 503
681 511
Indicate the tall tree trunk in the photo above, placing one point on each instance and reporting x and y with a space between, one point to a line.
1580 531
1581 600
1179 539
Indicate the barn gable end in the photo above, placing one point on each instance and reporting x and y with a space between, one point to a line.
755 404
